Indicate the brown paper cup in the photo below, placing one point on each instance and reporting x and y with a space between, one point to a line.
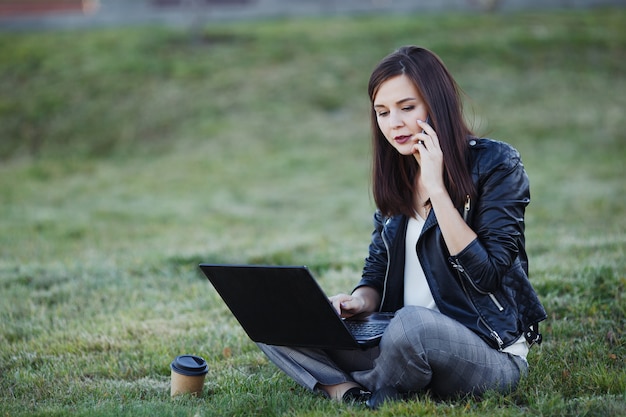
188 375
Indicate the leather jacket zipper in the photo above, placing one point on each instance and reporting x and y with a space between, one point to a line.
492 332
457 265
460 270
496 302
382 235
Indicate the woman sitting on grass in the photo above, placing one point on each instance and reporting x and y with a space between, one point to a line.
447 253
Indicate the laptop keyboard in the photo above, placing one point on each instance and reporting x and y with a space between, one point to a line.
365 328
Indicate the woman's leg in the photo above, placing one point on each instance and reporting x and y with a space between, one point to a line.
424 349
318 369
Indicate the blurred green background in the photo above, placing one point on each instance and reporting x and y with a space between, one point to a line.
128 155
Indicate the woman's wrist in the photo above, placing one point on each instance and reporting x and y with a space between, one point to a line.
369 296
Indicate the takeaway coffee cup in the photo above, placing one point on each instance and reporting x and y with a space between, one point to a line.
188 374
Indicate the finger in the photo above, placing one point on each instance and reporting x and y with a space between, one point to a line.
426 129
419 138
431 139
338 301
419 146
353 305
343 305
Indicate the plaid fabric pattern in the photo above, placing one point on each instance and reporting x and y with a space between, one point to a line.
421 350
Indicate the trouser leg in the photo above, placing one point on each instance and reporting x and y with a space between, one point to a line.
424 349
309 367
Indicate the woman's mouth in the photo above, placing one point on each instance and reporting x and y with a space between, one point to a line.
401 140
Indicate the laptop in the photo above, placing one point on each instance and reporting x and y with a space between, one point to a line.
285 306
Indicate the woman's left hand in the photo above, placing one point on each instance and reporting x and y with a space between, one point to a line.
456 233
428 154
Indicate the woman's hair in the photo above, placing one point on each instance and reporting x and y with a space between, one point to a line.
393 174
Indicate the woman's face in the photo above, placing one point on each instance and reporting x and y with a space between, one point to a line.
398 106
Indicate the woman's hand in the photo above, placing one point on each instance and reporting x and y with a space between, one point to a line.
456 233
347 305
428 154
363 299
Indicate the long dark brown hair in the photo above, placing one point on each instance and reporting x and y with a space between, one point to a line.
393 174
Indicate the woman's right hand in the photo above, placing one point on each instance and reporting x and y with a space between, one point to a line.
348 305
363 299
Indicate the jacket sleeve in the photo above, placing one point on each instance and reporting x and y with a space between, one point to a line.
375 268
497 218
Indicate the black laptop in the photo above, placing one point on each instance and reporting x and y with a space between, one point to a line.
285 306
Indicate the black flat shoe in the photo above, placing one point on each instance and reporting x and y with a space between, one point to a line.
356 395
383 395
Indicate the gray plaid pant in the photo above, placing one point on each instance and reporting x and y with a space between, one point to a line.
422 349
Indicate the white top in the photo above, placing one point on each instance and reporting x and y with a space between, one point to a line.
416 289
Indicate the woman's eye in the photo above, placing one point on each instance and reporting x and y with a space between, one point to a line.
408 108
382 113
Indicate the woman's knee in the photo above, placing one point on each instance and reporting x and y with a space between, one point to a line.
411 324
421 318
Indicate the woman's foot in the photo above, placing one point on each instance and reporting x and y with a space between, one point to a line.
346 392
356 395
383 395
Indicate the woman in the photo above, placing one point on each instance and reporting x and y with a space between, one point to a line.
447 253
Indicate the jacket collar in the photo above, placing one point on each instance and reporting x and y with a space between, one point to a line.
393 224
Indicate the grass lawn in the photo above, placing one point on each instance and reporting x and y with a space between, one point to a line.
130 155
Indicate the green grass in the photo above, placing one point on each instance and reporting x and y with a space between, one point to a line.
130 155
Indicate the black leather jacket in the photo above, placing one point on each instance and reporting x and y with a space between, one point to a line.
485 286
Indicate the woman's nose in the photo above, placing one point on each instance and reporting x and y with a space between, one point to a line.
396 120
